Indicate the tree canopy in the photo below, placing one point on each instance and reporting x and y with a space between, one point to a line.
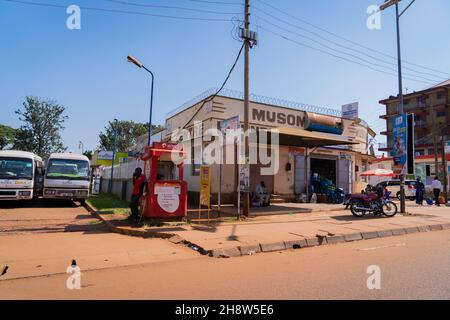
6 136
127 134
43 121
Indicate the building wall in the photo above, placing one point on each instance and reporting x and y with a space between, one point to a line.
432 109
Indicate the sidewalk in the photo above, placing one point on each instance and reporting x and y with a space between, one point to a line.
273 233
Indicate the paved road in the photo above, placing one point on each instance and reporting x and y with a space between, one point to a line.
412 267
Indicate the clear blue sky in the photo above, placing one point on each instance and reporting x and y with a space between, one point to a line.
86 70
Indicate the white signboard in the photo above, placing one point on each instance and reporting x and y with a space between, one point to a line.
447 146
105 155
350 111
168 197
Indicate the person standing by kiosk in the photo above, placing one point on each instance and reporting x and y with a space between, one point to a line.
138 190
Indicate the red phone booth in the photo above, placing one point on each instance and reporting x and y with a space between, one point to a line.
167 192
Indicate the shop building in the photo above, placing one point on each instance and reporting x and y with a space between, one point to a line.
313 140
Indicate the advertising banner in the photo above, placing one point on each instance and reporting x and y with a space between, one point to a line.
400 144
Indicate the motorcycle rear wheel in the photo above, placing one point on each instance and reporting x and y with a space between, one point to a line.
389 209
357 212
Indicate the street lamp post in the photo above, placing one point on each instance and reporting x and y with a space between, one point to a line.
110 185
384 6
140 65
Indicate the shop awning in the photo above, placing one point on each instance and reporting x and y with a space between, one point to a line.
310 139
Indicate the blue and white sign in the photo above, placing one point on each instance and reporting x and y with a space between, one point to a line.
400 143
350 111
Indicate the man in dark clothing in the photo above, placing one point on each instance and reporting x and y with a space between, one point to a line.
138 190
420 191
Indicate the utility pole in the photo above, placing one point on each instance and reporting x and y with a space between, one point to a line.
246 103
444 165
402 110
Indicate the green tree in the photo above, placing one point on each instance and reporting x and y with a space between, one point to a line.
127 134
6 136
43 122
88 153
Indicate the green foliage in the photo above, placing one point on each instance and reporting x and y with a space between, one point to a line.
6 136
127 134
41 132
88 153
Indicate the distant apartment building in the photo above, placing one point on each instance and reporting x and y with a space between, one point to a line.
431 108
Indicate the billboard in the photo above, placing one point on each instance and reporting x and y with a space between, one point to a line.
400 143
350 111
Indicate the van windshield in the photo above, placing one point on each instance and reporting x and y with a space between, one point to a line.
68 169
16 168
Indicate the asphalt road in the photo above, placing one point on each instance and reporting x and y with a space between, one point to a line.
414 266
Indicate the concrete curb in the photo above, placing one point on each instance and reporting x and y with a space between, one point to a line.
270 247
321 241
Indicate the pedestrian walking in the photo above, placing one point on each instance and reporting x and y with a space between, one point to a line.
437 189
138 190
420 191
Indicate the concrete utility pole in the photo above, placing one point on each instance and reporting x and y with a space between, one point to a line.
246 103
444 164
398 14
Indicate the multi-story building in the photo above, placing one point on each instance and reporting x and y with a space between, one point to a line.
431 108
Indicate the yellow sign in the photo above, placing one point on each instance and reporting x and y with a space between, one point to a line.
205 186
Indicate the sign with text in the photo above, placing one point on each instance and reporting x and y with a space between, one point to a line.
400 143
350 111
205 186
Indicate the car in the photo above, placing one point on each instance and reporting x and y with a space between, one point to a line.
394 187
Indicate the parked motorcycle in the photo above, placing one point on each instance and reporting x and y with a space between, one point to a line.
362 204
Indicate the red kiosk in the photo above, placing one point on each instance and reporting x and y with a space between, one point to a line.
167 192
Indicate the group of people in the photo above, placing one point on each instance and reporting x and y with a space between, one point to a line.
436 185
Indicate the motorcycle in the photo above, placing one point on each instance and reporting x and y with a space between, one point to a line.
361 204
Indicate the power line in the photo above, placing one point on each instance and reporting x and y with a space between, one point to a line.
40 4
337 56
220 89
432 81
218 2
135 4
348 40
342 46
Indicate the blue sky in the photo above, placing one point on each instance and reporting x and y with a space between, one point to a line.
86 70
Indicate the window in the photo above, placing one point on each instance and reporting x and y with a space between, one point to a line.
440 95
440 114
422 102
420 152
197 157
68 169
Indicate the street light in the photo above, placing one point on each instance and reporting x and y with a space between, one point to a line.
110 185
81 146
384 6
140 65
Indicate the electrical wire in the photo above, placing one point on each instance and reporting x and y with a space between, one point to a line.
337 56
40 4
348 40
439 78
218 2
220 89
345 53
135 4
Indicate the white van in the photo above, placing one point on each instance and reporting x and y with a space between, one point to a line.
394 187
21 175
67 177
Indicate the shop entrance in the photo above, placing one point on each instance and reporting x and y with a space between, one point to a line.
324 169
